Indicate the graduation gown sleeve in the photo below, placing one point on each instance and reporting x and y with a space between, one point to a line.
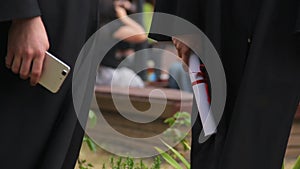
13 9
163 6
298 19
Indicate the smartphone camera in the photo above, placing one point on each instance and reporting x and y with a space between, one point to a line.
64 72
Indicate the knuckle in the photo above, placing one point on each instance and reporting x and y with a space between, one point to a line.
17 53
40 54
15 69
35 74
47 46
24 77
24 73
8 60
28 53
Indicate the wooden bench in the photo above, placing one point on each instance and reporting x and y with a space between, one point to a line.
173 100
139 97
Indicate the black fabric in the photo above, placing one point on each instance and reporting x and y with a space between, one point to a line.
13 9
298 19
40 130
166 6
260 52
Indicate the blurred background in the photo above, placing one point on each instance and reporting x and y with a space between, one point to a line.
159 72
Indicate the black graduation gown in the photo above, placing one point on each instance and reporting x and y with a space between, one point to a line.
39 130
259 45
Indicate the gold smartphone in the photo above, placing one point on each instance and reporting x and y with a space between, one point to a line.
54 73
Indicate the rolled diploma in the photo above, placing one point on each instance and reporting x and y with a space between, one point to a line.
200 93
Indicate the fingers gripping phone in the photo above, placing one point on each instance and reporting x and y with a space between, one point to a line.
54 73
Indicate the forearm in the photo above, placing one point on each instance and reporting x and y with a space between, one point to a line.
134 25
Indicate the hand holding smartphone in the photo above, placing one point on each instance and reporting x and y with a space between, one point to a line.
54 73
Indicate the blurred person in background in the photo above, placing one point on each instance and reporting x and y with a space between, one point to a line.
178 78
124 27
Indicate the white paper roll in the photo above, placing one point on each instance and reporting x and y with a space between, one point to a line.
201 96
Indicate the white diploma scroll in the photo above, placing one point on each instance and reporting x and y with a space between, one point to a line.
201 95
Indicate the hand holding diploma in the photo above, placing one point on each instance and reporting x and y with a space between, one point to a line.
199 85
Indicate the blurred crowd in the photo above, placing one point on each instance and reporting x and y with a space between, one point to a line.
121 66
